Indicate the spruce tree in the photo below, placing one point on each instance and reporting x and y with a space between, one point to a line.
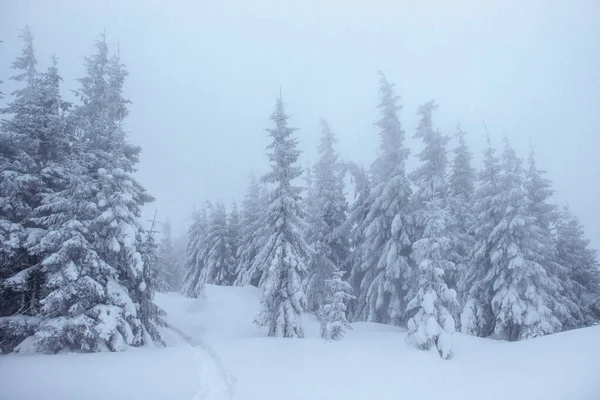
153 280
539 190
252 227
382 262
333 312
171 269
433 301
21 187
196 250
461 188
507 273
233 233
327 213
581 279
219 268
99 294
433 229
284 255
477 316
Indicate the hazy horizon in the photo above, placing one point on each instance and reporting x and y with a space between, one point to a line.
203 80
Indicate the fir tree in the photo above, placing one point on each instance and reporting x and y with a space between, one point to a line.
539 190
327 213
171 267
508 276
196 250
581 278
433 301
333 312
477 317
382 262
284 255
461 188
21 187
98 295
219 268
233 233
253 221
151 316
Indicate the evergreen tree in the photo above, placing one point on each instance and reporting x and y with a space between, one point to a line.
196 250
98 295
252 236
431 299
327 213
352 227
433 322
233 232
477 317
382 262
507 274
21 187
461 188
284 255
219 268
582 276
151 316
333 312
170 265
539 190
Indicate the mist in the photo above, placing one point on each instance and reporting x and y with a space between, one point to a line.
204 76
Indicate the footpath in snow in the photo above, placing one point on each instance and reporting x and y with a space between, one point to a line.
218 353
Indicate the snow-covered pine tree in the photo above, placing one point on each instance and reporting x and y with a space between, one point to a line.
153 281
327 213
461 188
433 323
382 262
35 147
582 278
98 297
196 250
432 302
171 268
233 232
539 191
219 268
333 312
284 254
506 272
20 187
252 234
477 317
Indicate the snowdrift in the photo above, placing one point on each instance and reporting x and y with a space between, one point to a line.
217 352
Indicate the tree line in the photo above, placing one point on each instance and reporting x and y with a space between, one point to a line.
444 247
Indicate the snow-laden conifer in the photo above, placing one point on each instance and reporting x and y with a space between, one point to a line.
333 312
507 278
327 212
252 234
433 323
219 267
382 262
284 254
581 278
196 250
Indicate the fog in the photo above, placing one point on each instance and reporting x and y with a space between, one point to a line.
204 76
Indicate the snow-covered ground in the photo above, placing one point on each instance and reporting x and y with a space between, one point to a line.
218 353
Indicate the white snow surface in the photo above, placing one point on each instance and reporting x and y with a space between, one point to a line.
218 353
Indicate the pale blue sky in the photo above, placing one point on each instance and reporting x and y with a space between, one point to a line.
204 75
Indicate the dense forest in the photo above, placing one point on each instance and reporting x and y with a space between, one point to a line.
448 246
